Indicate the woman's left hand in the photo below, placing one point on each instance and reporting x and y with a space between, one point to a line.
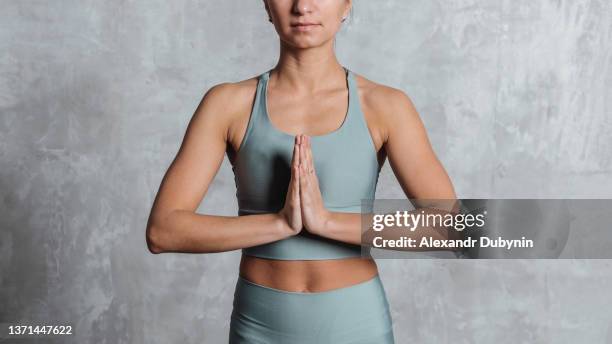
314 213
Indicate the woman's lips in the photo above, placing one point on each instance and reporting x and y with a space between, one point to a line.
304 26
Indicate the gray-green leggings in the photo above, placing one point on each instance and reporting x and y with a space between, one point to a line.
354 314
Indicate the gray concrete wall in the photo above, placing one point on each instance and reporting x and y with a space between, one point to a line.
95 97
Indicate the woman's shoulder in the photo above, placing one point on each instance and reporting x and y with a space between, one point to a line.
231 92
379 95
230 99
387 104
228 104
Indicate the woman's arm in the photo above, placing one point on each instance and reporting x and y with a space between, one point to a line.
412 159
173 224
411 156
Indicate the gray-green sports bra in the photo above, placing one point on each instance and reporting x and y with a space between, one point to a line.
346 165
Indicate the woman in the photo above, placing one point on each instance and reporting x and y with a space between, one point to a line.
303 158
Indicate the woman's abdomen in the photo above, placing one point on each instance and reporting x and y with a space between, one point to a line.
307 275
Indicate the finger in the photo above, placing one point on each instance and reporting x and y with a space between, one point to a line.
295 187
303 161
309 156
293 177
306 148
303 171
296 153
293 158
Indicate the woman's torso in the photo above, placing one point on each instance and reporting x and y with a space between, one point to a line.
304 274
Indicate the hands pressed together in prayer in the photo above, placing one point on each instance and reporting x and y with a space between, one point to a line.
304 206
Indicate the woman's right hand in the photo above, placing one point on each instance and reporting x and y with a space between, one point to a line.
291 211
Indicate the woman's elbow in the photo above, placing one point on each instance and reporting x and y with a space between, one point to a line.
154 242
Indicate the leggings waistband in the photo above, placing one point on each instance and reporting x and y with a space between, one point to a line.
354 314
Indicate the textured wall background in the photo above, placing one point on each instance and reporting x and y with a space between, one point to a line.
95 97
